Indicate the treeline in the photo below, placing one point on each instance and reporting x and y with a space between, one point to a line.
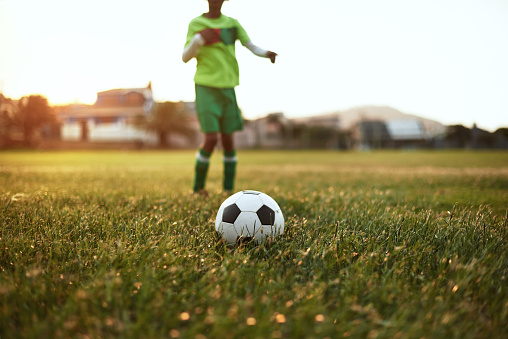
459 136
25 121
22 120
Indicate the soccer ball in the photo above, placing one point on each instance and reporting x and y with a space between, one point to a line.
249 215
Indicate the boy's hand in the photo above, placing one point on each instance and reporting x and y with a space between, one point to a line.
210 36
271 55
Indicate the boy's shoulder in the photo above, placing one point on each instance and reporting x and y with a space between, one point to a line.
224 19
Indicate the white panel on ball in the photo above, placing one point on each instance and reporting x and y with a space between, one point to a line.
249 202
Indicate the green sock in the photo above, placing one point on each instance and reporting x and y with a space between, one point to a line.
229 170
202 164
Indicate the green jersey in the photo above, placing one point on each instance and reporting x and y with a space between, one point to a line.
217 65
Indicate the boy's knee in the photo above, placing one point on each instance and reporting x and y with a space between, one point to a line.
228 142
211 140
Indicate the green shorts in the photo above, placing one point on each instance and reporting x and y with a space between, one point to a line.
218 110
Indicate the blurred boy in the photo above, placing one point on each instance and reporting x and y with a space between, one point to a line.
211 40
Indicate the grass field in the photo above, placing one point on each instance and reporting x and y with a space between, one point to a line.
377 245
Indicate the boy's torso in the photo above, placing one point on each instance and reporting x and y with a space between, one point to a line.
217 64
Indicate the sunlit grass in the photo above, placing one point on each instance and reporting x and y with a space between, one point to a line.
386 245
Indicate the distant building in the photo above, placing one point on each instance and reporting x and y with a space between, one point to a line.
374 134
265 132
110 119
368 134
364 128
277 131
407 133
372 127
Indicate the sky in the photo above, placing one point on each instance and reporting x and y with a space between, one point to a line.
445 60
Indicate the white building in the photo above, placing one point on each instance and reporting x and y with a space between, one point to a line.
110 119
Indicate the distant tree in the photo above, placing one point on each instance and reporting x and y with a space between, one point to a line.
502 138
6 119
167 118
33 112
458 136
486 140
502 131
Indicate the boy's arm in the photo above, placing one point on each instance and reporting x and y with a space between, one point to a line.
191 50
205 37
260 51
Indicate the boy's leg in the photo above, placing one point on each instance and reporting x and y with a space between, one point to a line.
232 121
203 161
201 169
229 162
208 114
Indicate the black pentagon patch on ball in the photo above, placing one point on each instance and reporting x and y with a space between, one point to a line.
231 213
266 215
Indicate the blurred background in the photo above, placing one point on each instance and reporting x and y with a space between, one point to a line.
350 75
